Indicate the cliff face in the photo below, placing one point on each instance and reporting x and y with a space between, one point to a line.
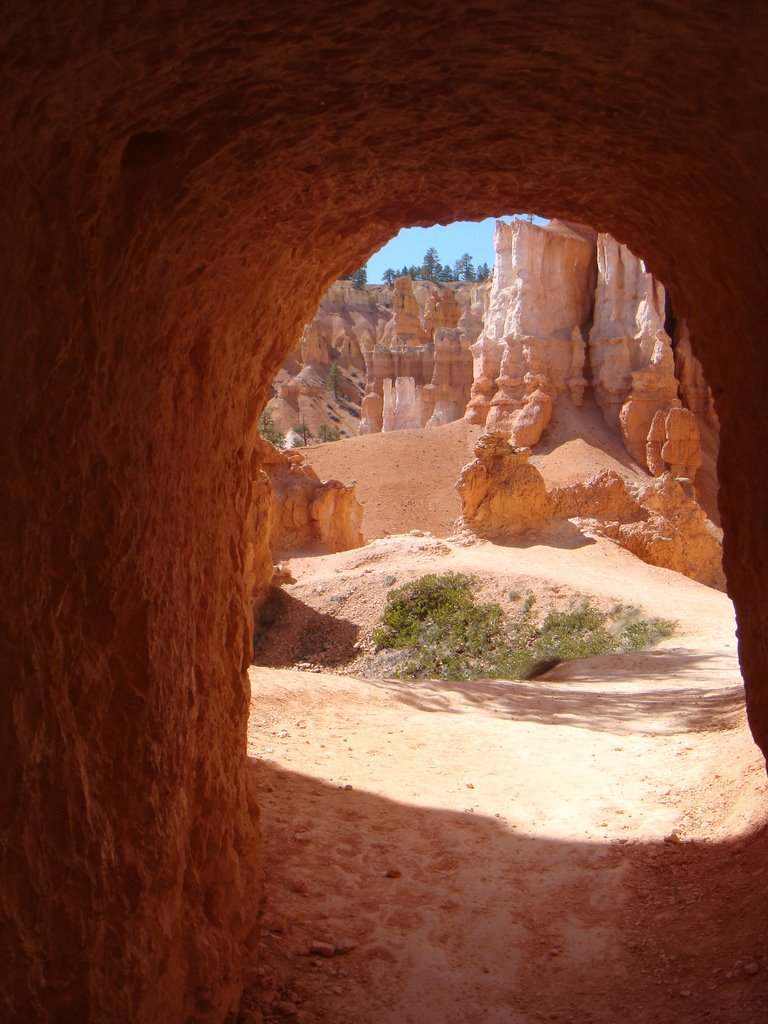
567 312
416 335
570 311
420 373
539 304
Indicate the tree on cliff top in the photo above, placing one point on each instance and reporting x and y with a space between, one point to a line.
464 268
430 266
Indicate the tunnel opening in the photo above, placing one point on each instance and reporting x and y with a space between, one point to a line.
147 309
363 758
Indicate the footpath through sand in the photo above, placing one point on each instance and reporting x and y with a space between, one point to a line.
584 847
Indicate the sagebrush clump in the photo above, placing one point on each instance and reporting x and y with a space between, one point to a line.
447 634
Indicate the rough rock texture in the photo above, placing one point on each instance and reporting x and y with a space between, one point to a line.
630 353
604 495
659 522
452 377
502 494
307 514
697 396
419 373
404 330
695 393
673 444
348 323
178 192
551 288
540 299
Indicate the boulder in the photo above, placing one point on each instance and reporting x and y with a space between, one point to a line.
502 494
659 522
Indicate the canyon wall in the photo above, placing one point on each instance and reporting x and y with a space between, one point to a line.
570 310
531 348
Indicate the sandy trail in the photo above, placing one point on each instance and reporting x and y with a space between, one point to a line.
584 847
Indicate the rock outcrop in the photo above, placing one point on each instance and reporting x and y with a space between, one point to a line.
306 514
502 494
539 303
420 373
559 292
659 522
633 365
348 324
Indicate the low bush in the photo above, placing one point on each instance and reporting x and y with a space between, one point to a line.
447 634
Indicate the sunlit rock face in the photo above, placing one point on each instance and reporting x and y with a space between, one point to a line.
502 494
307 515
178 192
540 299
419 374
659 522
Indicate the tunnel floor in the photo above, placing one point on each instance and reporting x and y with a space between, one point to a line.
585 847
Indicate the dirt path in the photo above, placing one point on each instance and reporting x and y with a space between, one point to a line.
585 847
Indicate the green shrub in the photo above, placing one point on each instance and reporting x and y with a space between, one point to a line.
448 635
326 433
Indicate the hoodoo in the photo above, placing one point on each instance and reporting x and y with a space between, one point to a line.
179 187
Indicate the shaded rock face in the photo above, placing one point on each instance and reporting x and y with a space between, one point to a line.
502 494
630 352
161 268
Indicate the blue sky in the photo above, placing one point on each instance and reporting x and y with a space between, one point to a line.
451 241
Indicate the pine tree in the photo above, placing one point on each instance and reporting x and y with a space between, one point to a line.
360 277
326 433
305 435
430 265
483 272
464 269
335 380
269 431
389 275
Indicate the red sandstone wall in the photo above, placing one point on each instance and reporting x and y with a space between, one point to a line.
178 188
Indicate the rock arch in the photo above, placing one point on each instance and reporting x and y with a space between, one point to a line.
178 189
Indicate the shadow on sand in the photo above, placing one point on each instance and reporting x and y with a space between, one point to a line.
587 698
290 631
482 924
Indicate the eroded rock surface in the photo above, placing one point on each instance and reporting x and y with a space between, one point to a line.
540 300
659 522
502 494
308 515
